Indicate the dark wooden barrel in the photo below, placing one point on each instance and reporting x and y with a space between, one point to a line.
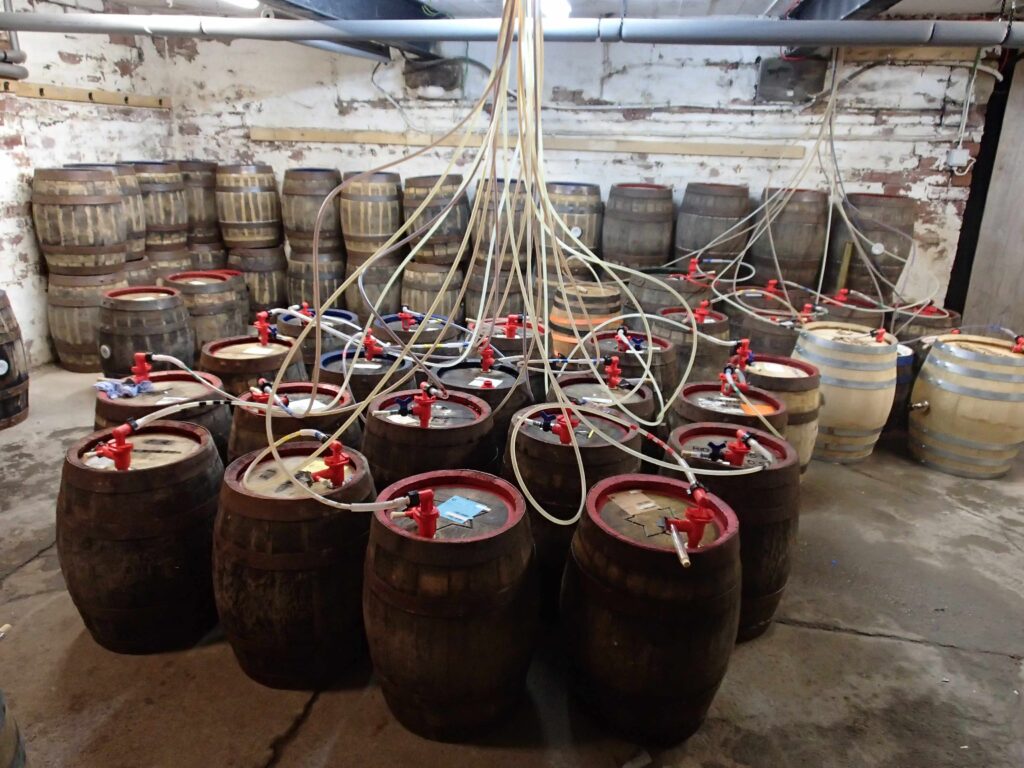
885 219
375 278
493 218
897 421
13 368
579 206
767 505
500 387
707 212
509 339
591 305
637 228
797 383
236 280
138 272
12 746
795 236
704 401
143 319
166 203
917 326
80 220
423 283
265 271
288 570
208 255
652 291
495 290
846 307
331 407
663 370
458 436
302 275
551 475
366 374
134 207
340 319
166 260
241 361
772 332
248 207
212 305
200 179
302 193
452 621
710 357
371 212
443 246
171 388
435 328
135 546
73 314
648 641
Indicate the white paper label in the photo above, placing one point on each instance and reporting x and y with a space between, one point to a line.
481 381
259 351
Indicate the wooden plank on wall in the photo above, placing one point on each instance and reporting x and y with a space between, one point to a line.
662 146
29 90
997 278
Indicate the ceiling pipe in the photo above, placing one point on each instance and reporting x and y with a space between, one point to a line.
13 71
733 30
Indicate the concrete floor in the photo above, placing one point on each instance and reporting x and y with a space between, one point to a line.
899 643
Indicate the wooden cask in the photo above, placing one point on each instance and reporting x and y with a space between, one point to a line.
897 421
166 203
798 384
637 229
508 336
370 288
371 212
770 332
793 233
968 407
200 178
265 271
501 387
497 291
366 375
73 314
442 247
236 281
302 275
302 194
248 208
500 202
426 330
880 220
166 260
591 306
13 368
131 197
208 255
704 401
288 570
425 284
579 206
12 746
326 410
138 272
858 384
451 620
241 361
289 325
847 307
550 474
211 303
135 546
766 503
663 369
648 641
142 319
674 325
654 291
918 326
458 435
80 220
711 220
171 388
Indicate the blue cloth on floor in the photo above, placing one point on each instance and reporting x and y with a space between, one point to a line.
115 389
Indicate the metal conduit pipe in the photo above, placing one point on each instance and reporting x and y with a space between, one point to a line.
13 72
704 31
12 57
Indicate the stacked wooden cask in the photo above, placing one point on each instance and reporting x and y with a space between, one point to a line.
302 195
88 222
166 203
204 242
371 212
249 213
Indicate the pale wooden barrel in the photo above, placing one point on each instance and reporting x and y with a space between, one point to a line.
329 274
973 424
73 313
797 384
493 216
579 206
858 384
200 179
134 207
248 207
421 284
371 212
442 247
166 203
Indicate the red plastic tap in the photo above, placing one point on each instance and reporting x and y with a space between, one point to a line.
424 513
486 356
701 312
371 347
772 288
741 357
694 263
564 427
305 309
729 389
613 373
141 369
423 405
956 331
261 392
622 339
880 335
118 449
807 313
930 309
695 520
1018 344
843 296
336 463
736 450
407 318
262 328
512 326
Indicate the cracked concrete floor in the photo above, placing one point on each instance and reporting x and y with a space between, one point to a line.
899 644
